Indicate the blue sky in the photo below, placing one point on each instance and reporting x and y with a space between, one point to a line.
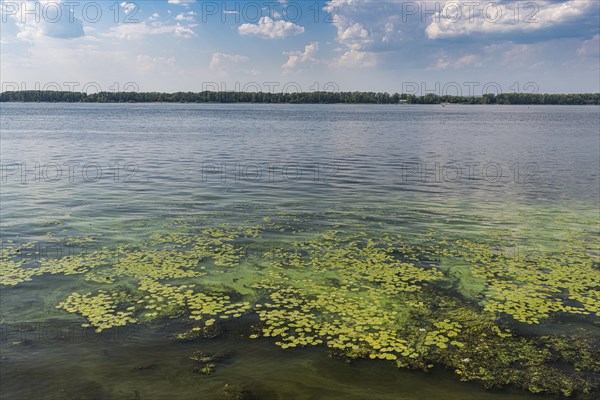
453 47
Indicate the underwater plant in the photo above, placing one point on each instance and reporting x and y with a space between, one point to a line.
359 291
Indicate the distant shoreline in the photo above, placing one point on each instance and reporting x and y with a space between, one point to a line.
32 96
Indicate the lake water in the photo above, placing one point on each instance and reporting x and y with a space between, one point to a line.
111 212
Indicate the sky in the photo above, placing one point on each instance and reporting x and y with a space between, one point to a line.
419 47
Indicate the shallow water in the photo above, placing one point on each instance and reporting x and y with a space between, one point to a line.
81 178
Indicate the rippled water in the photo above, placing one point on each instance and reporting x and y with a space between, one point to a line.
118 174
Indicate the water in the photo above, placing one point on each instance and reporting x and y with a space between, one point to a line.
80 177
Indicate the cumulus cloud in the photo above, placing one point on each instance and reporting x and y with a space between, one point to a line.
372 25
499 19
271 29
522 55
518 56
356 59
184 3
148 63
590 47
355 38
390 31
188 16
57 24
141 30
351 34
222 62
296 58
128 7
469 60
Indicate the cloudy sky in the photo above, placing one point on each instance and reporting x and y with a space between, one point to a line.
454 47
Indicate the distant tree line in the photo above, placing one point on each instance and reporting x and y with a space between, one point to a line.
295 98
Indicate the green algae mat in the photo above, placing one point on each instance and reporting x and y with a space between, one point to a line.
357 289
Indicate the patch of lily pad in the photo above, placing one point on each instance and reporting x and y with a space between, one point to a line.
358 292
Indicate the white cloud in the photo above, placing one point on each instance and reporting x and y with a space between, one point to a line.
474 20
590 47
53 60
361 25
148 63
188 16
518 54
222 62
270 29
469 60
141 30
128 7
349 33
521 57
389 32
298 57
183 31
184 3
356 59
56 25
354 36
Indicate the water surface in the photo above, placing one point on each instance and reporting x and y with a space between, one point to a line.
79 178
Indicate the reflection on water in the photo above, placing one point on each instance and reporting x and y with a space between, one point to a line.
178 229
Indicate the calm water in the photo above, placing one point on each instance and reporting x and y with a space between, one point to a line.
118 174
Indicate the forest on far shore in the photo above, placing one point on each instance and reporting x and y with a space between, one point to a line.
295 98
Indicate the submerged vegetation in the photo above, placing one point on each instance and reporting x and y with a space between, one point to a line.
295 98
360 292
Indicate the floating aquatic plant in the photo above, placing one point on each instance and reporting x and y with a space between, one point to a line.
103 310
537 286
357 291
12 268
